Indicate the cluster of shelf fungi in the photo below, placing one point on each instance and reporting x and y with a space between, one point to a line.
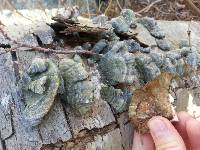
121 61
122 69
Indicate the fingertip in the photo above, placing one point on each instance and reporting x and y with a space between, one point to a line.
155 118
159 123
193 131
164 134
166 122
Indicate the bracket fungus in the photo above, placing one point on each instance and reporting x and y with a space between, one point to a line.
151 100
79 91
117 65
117 98
39 87
41 82
127 61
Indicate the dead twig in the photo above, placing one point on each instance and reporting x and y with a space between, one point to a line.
47 50
100 5
120 7
42 8
146 9
87 15
9 3
88 8
97 7
159 10
195 9
41 49
108 8
189 34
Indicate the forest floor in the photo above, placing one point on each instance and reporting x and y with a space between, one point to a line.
168 10
160 9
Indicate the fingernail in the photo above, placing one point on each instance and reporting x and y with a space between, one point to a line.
158 127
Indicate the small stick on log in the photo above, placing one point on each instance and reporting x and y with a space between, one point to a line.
146 9
189 34
118 3
41 49
108 8
195 9
47 50
9 3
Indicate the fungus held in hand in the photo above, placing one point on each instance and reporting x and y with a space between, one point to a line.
151 100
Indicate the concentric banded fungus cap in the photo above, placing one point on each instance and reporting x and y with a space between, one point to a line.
151 100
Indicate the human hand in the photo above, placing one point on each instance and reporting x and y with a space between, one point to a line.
182 135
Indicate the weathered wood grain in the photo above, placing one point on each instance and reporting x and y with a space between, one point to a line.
7 95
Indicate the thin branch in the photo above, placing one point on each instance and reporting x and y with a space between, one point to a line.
189 34
88 8
193 7
146 9
47 50
97 7
108 8
41 49
120 7
100 5
9 3
87 15
42 7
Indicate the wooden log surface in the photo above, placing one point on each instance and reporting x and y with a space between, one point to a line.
61 129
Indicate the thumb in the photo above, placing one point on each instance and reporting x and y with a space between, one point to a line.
165 135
